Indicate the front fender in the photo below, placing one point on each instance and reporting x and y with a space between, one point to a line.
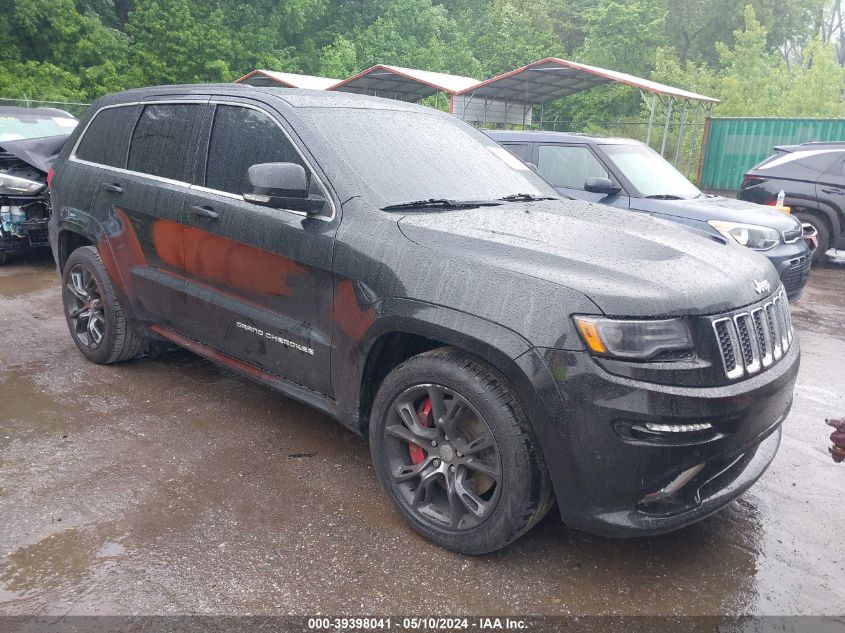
491 342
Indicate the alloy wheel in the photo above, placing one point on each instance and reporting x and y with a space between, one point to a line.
442 457
84 306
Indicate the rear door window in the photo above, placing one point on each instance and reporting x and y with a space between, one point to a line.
106 140
242 137
164 140
569 165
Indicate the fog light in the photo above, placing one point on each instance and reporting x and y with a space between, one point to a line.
677 428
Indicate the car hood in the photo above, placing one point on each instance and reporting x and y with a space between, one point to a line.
41 153
628 264
717 208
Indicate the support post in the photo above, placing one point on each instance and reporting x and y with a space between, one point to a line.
703 145
694 140
680 142
666 126
651 108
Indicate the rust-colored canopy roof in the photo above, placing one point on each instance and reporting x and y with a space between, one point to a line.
286 80
406 84
552 78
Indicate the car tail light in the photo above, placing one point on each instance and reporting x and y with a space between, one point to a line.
50 173
749 181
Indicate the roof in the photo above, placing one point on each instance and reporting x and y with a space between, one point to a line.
832 145
286 80
534 136
407 84
295 97
7 110
551 78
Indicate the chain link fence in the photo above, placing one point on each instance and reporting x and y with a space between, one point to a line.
76 109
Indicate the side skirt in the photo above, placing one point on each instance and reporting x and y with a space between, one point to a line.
313 399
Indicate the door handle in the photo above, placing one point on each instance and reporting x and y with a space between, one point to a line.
113 187
204 212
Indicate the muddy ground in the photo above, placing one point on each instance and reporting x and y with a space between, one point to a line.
173 486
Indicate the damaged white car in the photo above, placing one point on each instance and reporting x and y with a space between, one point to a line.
30 140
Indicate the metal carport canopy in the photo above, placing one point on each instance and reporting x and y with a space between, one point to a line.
405 84
275 78
552 78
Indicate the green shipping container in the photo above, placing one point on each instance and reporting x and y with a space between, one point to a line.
732 146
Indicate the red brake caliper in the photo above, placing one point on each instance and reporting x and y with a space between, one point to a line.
424 416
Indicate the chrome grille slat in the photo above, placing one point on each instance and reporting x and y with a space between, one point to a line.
751 340
773 330
764 336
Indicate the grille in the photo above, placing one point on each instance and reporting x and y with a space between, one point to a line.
796 273
754 339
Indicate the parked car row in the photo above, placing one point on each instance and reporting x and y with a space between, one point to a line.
502 346
630 175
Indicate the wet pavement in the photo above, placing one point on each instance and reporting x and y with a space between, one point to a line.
172 486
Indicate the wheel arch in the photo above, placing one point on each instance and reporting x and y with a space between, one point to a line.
827 213
407 328
68 240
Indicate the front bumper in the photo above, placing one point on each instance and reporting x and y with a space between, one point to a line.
605 478
792 263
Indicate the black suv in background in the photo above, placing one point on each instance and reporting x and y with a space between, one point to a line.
392 266
812 177
629 174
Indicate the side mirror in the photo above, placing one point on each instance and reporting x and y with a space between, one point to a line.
597 184
281 186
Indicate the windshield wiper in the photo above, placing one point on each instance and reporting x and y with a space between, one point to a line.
524 197
665 196
444 203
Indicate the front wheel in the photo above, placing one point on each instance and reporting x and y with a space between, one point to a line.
454 449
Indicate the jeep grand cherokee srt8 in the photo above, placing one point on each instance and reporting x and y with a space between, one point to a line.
395 268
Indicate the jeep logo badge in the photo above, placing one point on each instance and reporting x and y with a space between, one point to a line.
762 287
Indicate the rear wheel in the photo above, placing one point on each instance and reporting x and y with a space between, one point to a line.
452 446
822 232
96 320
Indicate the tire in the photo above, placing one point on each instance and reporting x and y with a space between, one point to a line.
2 258
476 491
821 228
95 318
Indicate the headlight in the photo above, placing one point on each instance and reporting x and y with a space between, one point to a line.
15 186
760 238
629 339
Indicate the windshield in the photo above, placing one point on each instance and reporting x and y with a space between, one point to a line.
17 127
649 172
411 156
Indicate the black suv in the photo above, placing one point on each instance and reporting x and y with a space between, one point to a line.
629 174
812 177
395 268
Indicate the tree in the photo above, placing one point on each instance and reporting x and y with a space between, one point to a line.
510 34
169 45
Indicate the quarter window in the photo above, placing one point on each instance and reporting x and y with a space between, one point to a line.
163 143
240 138
107 138
521 150
569 165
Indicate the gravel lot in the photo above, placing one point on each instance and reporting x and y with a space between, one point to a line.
172 486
